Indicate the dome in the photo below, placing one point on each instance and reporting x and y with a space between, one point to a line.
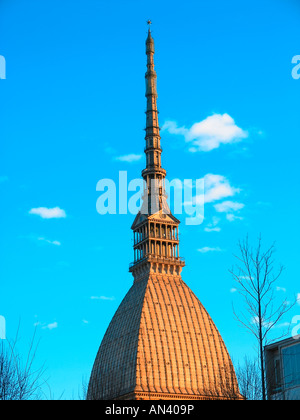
162 344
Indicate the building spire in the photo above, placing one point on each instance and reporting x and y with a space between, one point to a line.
154 174
156 239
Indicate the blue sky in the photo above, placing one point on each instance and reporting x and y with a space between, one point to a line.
72 106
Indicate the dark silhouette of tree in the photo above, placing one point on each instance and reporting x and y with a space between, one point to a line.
19 379
249 379
256 275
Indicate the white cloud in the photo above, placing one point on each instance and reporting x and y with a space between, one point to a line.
129 158
56 243
172 128
102 298
233 217
210 133
228 206
213 226
44 326
233 290
217 187
244 278
50 327
255 321
47 213
206 249
298 298
281 289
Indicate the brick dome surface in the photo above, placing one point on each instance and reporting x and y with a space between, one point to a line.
162 344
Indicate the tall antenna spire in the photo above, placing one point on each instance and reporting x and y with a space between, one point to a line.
154 174
156 240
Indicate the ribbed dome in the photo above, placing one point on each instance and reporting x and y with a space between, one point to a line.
162 344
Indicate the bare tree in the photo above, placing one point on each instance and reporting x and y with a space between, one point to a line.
256 275
83 390
248 376
19 379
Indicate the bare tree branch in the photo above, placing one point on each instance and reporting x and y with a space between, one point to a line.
19 380
255 275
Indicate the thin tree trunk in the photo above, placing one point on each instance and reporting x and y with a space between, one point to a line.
255 275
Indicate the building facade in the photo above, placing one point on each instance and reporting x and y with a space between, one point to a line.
283 369
161 343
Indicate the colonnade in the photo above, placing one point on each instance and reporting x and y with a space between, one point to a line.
158 239
156 230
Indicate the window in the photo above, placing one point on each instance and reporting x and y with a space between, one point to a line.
277 375
169 233
291 365
277 371
151 230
